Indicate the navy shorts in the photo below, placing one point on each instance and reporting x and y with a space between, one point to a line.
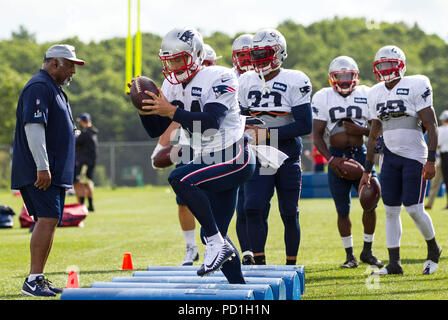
44 204
401 180
341 188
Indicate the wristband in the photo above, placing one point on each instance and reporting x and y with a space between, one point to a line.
368 166
431 156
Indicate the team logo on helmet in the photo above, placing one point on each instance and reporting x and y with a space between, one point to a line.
187 37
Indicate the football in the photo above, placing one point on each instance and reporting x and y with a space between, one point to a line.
369 196
138 88
167 156
352 169
163 157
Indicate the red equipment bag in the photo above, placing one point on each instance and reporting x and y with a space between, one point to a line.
72 216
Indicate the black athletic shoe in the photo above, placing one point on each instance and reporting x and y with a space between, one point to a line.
350 263
391 268
248 260
369 258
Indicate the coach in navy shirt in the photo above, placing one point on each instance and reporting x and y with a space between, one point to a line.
44 156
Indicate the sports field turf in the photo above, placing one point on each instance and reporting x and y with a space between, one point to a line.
144 221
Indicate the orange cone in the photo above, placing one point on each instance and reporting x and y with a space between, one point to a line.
72 280
127 262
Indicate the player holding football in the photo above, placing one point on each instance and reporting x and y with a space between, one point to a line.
343 112
204 102
401 108
172 136
281 98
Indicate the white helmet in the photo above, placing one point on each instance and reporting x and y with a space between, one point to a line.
210 56
444 116
182 54
268 51
241 53
344 73
389 64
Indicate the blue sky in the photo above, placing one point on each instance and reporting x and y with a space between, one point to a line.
52 20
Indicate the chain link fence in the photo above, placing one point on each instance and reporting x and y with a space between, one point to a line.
124 164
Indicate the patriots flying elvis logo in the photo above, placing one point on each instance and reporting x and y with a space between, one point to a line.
221 89
426 94
187 37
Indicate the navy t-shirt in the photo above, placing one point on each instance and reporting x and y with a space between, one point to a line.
42 101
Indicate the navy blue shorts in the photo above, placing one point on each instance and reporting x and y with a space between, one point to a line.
259 190
402 180
44 204
341 188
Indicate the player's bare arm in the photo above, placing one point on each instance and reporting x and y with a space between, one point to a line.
355 130
429 121
375 132
318 136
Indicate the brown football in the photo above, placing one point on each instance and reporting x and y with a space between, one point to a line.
352 169
138 88
167 156
163 157
369 196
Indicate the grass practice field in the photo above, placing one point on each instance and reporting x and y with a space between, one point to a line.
144 221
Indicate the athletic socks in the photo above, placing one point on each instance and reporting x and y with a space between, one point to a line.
368 240
394 255
33 277
189 237
81 200
347 243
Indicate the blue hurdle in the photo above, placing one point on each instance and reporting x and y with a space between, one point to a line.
277 284
291 278
300 269
154 294
261 291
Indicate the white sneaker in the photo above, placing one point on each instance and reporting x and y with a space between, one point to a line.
216 254
191 255
429 267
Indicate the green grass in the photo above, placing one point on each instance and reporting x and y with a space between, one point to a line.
144 221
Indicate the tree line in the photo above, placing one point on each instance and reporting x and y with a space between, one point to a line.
98 87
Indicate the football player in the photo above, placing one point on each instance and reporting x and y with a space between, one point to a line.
241 54
210 56
204 102
241 64
172 136
342 111
401 108
281 98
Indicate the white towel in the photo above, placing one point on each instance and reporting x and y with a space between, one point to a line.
268 156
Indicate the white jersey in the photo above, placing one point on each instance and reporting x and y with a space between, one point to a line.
290 88
328 105
214 84
397 110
